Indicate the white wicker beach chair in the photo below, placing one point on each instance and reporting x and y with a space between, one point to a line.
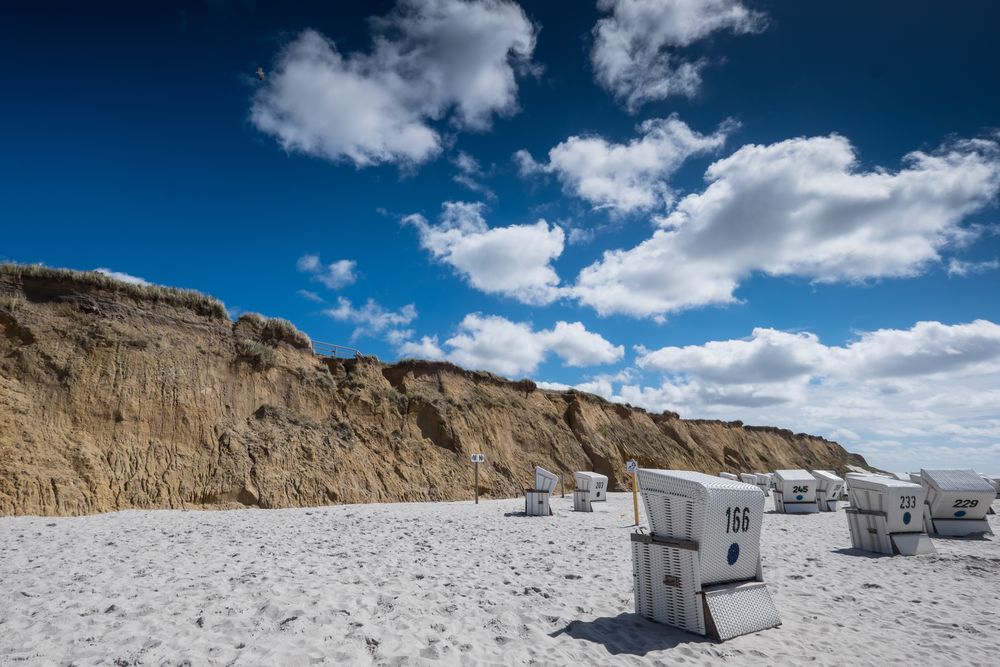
594 483
590 487
795 492
763 482
886 516
748 478
699 569
536 500
829 487
729 476
957 502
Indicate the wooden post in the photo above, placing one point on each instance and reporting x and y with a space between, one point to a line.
477 482
635 496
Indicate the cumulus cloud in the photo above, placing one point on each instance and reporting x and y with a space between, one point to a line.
512 348
337 275
636 53
625 178
426 348
123 277
372 319
894 394
800 207
514 261
430 60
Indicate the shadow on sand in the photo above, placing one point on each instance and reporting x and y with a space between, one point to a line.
629 633
851 551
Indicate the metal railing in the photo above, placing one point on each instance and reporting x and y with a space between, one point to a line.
321 349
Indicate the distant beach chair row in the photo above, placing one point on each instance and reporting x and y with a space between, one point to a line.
892 514
590 487
797 491
699 567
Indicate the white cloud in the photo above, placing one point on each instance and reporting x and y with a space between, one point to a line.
635 53
514 261
374 320
926 395
430 60
426 348
512 348
311 296
957 267
337 275
630 177
578 347
800 207
470 174
601 385
123 277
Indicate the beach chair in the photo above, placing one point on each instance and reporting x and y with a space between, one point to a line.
699 567
886 516
536 500
915 477
763 482
795 492
748 478
957 502
590 487
730 476
829 487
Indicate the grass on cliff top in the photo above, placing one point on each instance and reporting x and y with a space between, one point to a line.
182 298
272 330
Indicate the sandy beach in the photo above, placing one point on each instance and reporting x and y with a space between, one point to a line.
457 583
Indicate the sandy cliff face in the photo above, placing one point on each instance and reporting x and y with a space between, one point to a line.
110 399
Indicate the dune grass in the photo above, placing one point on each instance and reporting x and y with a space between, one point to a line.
273 330
181 298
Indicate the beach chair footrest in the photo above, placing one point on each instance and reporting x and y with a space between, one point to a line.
738 609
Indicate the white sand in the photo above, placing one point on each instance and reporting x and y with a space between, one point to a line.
453 583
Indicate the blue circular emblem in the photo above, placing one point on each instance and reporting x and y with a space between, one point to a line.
960 513
734 553
798 497
906 518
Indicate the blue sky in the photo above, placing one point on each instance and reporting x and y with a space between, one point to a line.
798 199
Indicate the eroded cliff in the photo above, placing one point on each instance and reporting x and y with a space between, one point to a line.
115 397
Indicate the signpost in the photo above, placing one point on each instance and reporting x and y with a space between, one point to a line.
632 467
476 460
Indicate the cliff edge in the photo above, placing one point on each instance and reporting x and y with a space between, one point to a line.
117 396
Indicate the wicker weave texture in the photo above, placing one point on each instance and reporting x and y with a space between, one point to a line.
957 494
722 516
653 565
737 610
